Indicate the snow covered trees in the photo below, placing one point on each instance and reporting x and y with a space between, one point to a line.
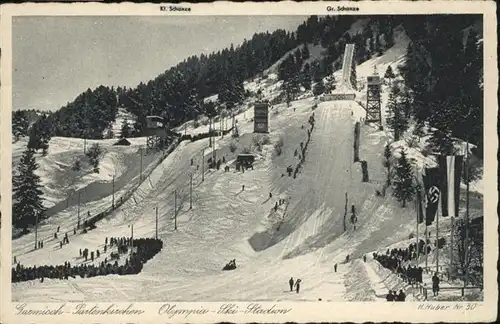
445 77
468 250
27 204
40 134
94 155
404 187
387 162
20 124
389 74
126 131
396 119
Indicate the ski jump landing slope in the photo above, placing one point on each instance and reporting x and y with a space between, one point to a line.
227 223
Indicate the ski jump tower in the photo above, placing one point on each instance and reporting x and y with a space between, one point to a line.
346 89
373 104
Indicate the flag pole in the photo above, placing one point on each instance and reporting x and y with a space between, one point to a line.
466 245
450 268
437 234
425 246
418 219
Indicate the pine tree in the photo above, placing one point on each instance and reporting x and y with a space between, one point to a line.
389 74
396 118
319 86
191 105
306 77
305 52
292 88
20 124
94 155
441 142
126 131
27 193
404 187
387 162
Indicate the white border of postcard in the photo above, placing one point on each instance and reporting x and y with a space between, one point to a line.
297 311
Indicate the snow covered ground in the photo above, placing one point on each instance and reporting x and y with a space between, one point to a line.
60 182
303 239
224 218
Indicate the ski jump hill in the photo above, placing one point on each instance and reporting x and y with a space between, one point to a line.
302 238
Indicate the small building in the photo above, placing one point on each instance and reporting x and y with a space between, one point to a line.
122 142
246 160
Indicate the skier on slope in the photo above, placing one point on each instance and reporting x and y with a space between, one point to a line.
290 282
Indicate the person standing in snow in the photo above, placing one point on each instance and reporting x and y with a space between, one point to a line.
243 188
297 285
335 267
364 258
401 296
435 284
290 282
390 296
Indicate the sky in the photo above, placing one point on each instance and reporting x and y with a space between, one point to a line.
57 58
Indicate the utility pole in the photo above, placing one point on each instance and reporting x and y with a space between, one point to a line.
131 238
36 230
203 165
78 210
425 246
85 142
191 192
113 197
437 236
450 270
175 210
418 218
156 222
140 175
210 132
466 245
345 212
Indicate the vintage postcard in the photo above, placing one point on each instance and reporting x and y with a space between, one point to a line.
249 162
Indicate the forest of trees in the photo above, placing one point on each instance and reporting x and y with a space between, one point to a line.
442 92
443 75
331 33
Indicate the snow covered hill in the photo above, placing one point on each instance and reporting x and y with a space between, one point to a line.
61 183
233 215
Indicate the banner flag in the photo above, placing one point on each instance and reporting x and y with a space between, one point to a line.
450 169
432 182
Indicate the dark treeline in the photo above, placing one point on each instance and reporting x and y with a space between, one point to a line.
296 70
177 93
444 75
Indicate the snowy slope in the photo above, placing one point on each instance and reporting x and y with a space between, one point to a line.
227 222
121 116
60 181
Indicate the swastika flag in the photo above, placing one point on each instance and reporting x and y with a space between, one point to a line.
432 185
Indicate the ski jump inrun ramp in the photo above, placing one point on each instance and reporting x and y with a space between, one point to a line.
347 84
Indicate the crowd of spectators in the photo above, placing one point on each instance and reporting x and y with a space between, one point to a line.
143 249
